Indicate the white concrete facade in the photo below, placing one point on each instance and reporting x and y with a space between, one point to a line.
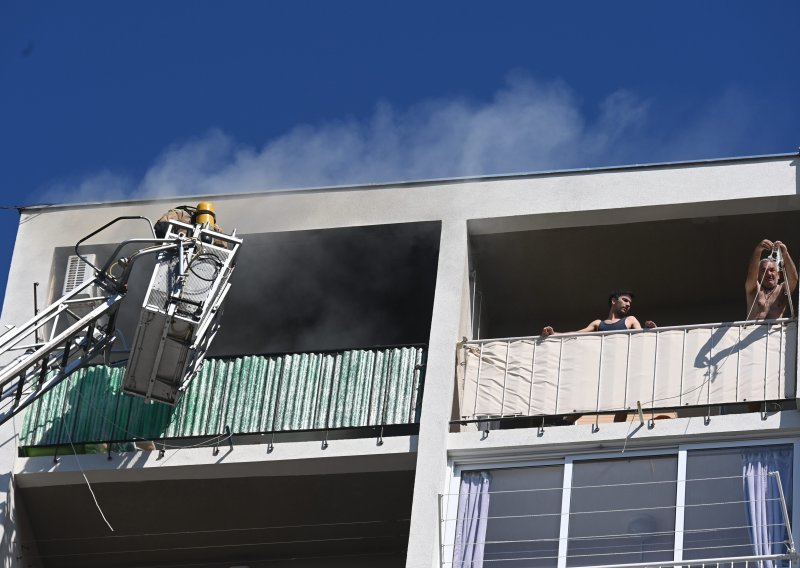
464 208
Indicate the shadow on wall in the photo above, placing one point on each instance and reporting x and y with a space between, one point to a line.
7 543
708 358
92 407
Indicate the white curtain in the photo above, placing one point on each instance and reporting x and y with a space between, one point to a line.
473 512
762 499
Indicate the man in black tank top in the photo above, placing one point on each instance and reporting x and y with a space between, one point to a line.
620 302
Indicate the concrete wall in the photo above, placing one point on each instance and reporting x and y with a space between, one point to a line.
490 205
464 207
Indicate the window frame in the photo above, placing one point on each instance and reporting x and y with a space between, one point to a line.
448 504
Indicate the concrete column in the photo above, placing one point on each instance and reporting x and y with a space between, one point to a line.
423 544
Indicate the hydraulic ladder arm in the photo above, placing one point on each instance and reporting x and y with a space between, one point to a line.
77 329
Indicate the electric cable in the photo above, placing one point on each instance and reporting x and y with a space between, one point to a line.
219 531
83 473
216 546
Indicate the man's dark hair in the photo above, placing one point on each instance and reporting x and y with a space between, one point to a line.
617 293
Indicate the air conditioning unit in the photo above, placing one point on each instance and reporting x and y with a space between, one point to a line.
78 273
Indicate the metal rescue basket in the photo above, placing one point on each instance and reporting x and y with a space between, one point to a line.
181 312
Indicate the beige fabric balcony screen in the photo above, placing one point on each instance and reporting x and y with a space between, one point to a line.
719 364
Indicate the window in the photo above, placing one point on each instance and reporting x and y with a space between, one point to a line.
622 511
687 504
732 504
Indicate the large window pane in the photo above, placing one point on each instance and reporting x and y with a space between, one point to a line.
524 515
718 495
622 511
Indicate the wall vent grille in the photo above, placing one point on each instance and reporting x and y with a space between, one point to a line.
78 272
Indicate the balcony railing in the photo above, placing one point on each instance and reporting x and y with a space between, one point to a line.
245 395
670 367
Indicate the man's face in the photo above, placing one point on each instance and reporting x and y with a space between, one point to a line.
622 305
768 275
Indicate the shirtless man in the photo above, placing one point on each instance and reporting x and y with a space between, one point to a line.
767 298
619 302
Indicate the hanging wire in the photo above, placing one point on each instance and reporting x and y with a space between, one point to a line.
86 479
236 545
217 531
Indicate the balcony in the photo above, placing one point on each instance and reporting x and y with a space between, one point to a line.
621 372
358 391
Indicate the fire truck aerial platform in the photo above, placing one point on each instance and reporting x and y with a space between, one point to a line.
180 316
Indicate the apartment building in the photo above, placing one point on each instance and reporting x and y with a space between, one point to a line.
379 393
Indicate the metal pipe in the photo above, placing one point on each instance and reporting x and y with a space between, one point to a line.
738 357
635 331
558 373
93 233
599 377
653 395
35 311
627 368
533 368
683 367
505 378
478 380
463 385
710 375
780 361
766 361
441 527
789 537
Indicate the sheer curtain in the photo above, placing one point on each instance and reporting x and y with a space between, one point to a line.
762 500
473 512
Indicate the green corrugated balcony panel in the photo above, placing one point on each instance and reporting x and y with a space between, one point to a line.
251 394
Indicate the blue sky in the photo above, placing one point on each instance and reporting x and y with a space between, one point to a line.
111 100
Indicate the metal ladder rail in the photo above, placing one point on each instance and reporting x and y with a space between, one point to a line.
52 360
10 339
46 364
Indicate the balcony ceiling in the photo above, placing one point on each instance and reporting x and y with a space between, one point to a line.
683 271
225 522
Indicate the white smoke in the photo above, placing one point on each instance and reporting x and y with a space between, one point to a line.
527 126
